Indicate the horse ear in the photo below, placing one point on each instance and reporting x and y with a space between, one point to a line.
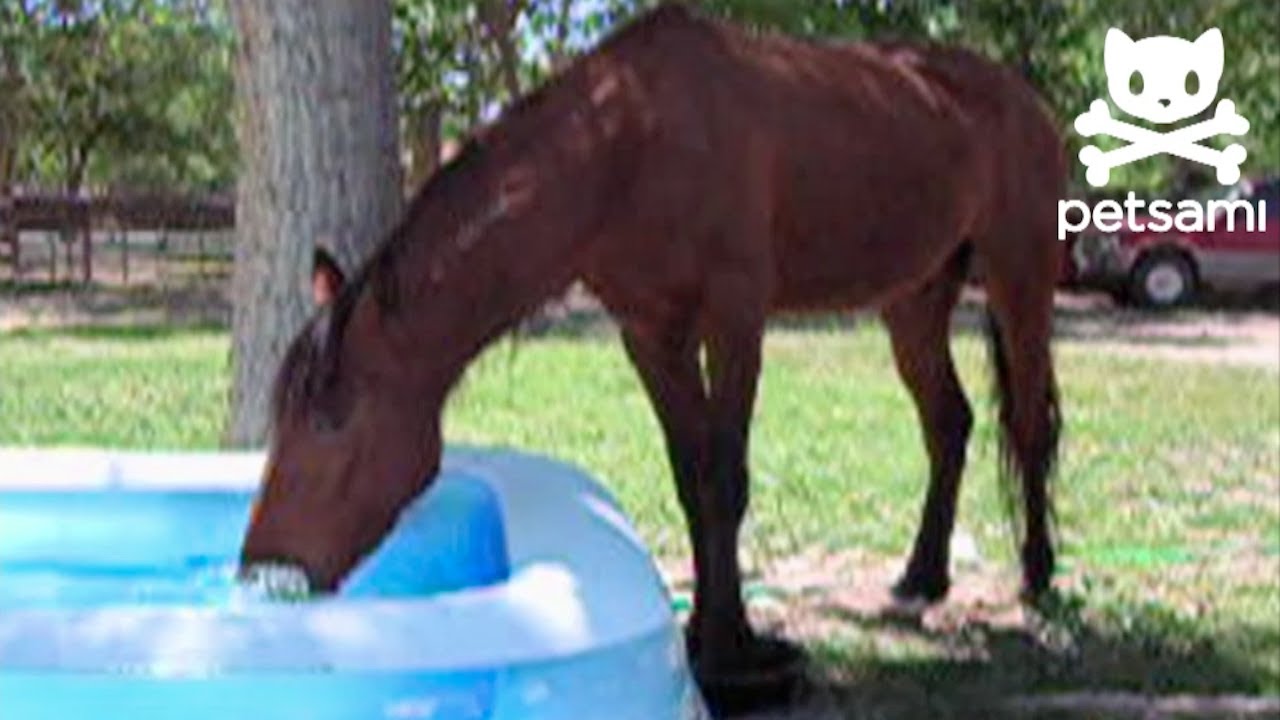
326 277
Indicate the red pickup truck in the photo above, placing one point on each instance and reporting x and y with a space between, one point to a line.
1167 269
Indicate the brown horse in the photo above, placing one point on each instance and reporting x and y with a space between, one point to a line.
696 177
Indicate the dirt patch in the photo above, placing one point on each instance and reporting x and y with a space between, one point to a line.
1245 335
818 597
1135 705
62 306
1224 332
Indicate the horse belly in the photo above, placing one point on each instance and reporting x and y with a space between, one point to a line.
866 248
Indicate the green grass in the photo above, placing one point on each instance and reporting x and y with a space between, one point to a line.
128 388
1168 489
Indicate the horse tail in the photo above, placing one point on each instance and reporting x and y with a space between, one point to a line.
1030 425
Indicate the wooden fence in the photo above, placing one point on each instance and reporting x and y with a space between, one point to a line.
114 238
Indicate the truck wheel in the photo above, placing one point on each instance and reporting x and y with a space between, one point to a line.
1163 280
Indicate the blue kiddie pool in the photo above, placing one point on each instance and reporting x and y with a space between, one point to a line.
514 590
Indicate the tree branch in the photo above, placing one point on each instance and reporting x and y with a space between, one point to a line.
560 50
500 18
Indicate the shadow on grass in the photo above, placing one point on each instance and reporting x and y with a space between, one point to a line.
1132 663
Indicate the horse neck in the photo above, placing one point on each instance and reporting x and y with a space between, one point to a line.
522 221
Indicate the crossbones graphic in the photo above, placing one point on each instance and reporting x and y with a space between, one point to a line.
1183 142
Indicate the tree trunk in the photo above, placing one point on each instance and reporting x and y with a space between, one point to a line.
8 220
8 157
500 18
507 63
8 226
424 128
317 131
560 49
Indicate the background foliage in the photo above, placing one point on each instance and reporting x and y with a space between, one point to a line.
116 93
138 92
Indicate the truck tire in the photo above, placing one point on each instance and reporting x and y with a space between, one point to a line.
1163 280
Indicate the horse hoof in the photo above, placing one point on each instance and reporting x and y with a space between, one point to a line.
766 673
1039 596
1033 596
915 591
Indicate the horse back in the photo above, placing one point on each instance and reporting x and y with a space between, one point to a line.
865 163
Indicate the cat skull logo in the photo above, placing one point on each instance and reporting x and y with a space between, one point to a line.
1153 79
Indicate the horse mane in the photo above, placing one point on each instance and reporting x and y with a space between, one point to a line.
310 364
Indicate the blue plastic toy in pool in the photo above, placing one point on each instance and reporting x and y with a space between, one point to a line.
514 590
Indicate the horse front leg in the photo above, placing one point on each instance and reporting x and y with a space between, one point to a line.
722 497
706 431
665 356
738 669
705 423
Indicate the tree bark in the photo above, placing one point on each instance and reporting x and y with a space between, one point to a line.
319 148
424 128
560 50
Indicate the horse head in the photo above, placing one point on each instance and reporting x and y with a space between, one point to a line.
351 443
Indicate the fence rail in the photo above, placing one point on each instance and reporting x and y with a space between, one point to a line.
46 237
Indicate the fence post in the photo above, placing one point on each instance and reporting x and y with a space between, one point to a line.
200 268
9 232
124 255
69 249
86 253
162 248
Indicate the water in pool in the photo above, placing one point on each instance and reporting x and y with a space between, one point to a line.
87 549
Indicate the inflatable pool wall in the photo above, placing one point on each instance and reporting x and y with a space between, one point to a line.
514 590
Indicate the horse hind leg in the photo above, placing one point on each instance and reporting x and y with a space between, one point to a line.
919 331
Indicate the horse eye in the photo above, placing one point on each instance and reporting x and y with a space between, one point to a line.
1192 83
1135 83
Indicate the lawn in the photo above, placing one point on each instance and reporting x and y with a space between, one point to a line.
1169 491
